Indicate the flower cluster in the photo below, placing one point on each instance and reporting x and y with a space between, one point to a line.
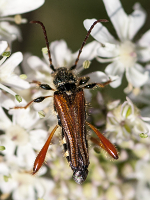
123 54
23 132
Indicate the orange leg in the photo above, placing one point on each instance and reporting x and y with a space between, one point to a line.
104 142
41 156
97 142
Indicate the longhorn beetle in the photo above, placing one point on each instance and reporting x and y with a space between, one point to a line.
69 103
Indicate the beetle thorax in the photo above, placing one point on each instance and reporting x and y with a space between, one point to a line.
65 80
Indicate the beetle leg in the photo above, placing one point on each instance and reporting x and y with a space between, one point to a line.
83 80
43 86
41 156
104 142
37 100
92 85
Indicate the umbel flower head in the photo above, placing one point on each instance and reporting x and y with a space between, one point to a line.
125 122
124 54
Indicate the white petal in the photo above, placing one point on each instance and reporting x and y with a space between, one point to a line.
143 47
38 138
9 146
16 82
5 101
88 53
24 192
116 83
140 127
6 72
99 32
11 63
24 159
5 122
9 32
137 76
136 20
145 40
44 187
61 54
106 60
118 17
9 7
42 171
115 69
126 26
25 65
8 187
112 105
41 70
109 51
37 64
25 118
143 54
3 46
4 169
98 77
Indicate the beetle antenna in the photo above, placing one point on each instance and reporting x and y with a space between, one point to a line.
47 42
84 41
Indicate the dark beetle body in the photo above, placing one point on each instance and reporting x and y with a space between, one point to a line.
69 103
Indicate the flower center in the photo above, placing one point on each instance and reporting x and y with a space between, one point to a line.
128 55
18 135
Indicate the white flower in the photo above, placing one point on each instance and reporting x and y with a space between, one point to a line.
19 133
141 170
126 122
7 7
123 54
142 175
22 184
143 95
7 75
10 32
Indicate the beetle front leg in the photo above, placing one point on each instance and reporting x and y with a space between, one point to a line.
43 86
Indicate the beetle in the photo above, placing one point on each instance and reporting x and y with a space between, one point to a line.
69 103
